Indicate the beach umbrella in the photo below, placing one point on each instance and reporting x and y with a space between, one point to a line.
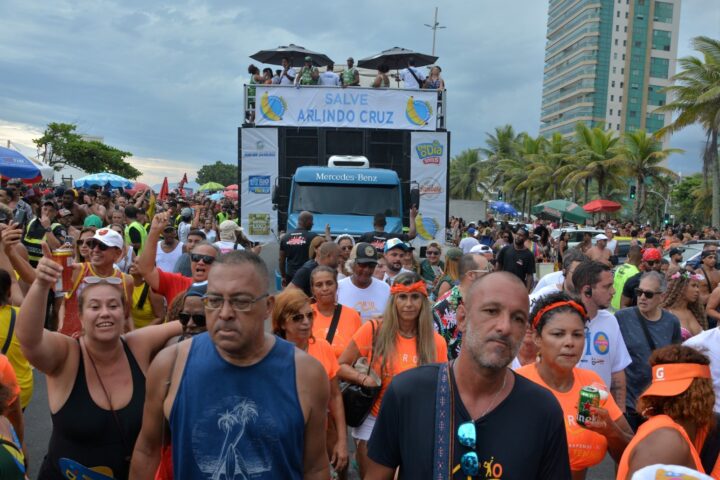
231 194
103 180
562 210
231 187
295 54
216 197
211 186
137 187
601 206
396 58
14 164
503 208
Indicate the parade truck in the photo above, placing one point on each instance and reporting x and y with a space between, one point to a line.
345 155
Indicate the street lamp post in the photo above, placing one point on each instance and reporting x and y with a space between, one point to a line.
434 27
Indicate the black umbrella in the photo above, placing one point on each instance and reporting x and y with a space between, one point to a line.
295 53
396 58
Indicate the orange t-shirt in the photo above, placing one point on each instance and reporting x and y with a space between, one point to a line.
347 326
586 448
405 356
8 378
323 353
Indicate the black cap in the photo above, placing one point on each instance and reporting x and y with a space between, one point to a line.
50 203
675 251
365 253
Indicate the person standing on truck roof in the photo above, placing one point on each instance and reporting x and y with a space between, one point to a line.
294 247
379 236
287 77
350 76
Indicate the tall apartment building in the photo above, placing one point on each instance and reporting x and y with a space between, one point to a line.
606 62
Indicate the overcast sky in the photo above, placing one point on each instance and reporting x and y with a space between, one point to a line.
163 80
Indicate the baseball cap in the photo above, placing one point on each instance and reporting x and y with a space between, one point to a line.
672 379
197 290
93 221
675 251
365 253
481 249
229 226
601 236
50 203
471 231
454 253
651 254
109 237
64 212
395 243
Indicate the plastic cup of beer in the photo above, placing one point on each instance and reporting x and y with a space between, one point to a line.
63 256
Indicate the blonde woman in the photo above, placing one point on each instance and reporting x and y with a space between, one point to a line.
403 339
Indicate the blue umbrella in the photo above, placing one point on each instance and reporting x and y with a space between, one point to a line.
503 207
103 179
216 197
14 164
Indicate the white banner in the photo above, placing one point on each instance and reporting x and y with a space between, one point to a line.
259 164
346 107
429 167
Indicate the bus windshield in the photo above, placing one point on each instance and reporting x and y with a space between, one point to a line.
346 199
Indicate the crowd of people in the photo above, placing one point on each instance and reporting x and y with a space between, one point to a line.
168 355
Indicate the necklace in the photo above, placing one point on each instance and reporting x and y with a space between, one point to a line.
492 402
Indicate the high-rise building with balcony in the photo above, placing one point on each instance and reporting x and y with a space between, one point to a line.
606 62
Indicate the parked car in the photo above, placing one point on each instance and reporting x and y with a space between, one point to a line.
690 255
575 236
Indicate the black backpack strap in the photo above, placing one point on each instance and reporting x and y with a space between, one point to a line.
334 324
11 331
143 296
711 447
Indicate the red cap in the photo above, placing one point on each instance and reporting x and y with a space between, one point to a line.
651 254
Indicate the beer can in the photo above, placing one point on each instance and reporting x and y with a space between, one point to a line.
64 258
589 397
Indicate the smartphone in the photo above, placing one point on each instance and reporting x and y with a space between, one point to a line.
20 217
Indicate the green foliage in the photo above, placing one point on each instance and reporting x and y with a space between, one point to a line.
690 200
466 176
62 146
219 172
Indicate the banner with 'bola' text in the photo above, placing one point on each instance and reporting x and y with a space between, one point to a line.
429 167
345 107
259 163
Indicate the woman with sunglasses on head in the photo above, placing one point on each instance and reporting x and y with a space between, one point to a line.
292 320
402 339
432 266
682 299
559 324
346 244
679 406
96 383
324 286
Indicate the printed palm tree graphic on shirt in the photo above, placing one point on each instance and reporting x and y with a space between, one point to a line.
231 465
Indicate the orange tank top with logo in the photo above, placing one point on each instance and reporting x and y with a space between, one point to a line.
71 325
653 424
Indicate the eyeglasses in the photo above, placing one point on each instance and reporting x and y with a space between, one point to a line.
346 247
299 317
91 243
467 436
207 259
432 252
649 294
484 270
239 304
108 280
651 262
197 318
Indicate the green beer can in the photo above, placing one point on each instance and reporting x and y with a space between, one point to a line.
589 397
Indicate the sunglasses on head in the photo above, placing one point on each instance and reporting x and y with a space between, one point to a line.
649 294
197 318
467 436
91 243
108 280
207 259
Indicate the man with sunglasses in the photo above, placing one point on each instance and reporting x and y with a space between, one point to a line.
169 284
361 290
473 417
244 403
651 260
645 328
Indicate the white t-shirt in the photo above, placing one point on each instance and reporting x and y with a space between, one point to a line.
467 243
541 293
183 231
611 244
166 261
210 236
605 352
708 342
226 246
330 79
553 278
286 81
408 78
369 302
391 279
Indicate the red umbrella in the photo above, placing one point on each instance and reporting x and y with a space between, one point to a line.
602 206
231 194
139 186
231 187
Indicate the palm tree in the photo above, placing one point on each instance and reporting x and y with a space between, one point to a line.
595 160
500 146
696 99
517 171
640 155
467 175
546 167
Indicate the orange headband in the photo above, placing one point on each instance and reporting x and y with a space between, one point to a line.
553 306
413 287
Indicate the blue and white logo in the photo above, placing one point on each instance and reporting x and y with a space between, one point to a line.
259 184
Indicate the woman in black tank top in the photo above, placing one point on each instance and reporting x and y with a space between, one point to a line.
96 385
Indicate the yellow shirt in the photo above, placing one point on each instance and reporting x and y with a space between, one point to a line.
141 316
23 370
